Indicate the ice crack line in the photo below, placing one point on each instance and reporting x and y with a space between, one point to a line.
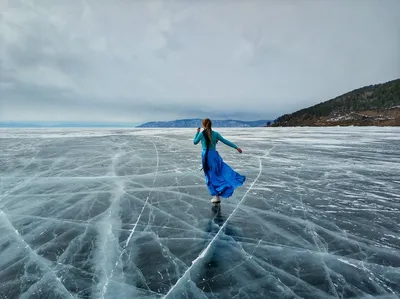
315 239
134 226
42 262
204 252
267 153
147 199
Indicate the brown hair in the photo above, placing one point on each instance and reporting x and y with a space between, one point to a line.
207 135
207 129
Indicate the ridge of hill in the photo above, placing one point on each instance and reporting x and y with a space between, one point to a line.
373 105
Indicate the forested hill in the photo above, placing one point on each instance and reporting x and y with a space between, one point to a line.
377 105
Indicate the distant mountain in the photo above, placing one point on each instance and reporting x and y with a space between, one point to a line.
194 123
373 105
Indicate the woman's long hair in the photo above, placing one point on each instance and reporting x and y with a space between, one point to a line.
207 135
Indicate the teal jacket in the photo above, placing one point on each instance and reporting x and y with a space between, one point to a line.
215 137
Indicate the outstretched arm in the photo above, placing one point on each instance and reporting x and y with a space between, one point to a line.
197 137
227 142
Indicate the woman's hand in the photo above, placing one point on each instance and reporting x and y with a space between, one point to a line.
198 130
239 150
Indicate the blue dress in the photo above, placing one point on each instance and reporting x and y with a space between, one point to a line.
221 179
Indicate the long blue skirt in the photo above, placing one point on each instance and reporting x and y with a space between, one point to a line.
221 179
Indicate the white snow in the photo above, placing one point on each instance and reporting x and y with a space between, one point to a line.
342 117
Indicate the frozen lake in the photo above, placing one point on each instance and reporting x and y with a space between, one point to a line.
126 214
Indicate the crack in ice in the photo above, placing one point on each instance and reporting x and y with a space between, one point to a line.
147 199
204 252
314 236
39 259
133 229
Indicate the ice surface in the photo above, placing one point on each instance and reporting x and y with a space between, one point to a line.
126 214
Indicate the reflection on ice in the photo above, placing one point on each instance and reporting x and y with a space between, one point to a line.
125 214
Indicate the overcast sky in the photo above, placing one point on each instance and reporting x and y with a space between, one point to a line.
137 61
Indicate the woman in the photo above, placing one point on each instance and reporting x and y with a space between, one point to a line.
221 179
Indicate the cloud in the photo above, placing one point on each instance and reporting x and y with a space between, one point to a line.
148 60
